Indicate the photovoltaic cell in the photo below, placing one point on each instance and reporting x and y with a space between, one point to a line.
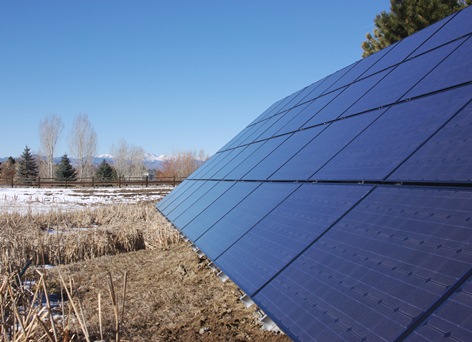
265 149
327 83
401 79
447 156
378 268
337 107
243 217
282 154
453 320
324 147
196 186
381 148
405 48
181 205
283 120
218 209
360 68
457 25
303 116
199 201
242 153
176 197
453 71
274 241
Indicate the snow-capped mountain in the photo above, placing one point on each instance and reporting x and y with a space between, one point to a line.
151 160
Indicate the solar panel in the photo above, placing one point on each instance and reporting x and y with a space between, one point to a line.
286 231
455 26
453 71
447 155
344 211
378 269
402 129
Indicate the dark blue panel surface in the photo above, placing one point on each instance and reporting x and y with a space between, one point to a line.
240 155
447 156
382 147
286 231
181 205
308 112
180 195
404 48
243 217
401 79
453 320
162 204
265 128
324 147
207 165
221 160
265 149
283 120
345 100
327 83
382 265
456 26
360 68
272 110
456 69
245 133
218 209
178 206
281 155
199 201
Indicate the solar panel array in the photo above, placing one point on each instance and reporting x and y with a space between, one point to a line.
344 211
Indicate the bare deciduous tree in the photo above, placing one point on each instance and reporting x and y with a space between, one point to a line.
83 145
120 158
183 163
128 160
136 156
50 129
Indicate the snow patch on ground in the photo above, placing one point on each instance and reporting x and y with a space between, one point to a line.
34 200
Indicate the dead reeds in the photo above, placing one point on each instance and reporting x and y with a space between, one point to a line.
59 237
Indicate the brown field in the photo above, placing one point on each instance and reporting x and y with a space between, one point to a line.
161 290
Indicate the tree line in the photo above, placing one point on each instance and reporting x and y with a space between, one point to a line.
128 160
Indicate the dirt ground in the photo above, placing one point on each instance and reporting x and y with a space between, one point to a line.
171 296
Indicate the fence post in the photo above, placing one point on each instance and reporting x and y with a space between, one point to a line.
119 182
174 181
12 182
93 182
39 182
147 181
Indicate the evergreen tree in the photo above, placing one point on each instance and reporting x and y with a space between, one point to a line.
27 168
407 17
65 171
105 172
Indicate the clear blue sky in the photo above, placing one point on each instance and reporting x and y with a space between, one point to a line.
165 75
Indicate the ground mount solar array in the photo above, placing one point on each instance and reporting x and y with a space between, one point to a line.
344 211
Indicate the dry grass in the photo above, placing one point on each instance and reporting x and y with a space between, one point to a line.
159 291
61 237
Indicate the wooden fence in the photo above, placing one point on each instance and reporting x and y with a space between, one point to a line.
39 182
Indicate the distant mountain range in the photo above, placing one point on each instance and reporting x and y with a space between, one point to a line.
151 160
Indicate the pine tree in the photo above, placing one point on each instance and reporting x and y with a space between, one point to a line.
105 172
27 168
65 171
407 17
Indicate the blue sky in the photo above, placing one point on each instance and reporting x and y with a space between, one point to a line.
165 75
